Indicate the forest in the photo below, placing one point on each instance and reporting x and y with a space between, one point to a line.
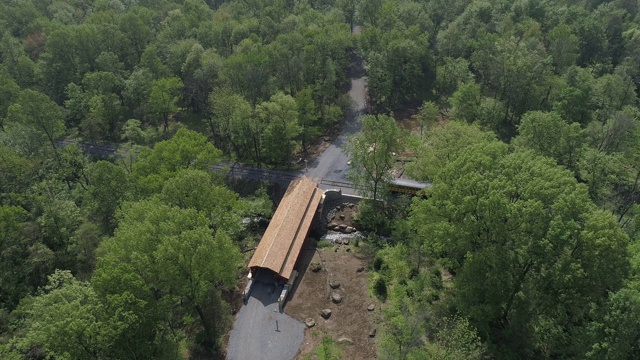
526 124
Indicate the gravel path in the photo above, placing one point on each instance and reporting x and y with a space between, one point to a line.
259 332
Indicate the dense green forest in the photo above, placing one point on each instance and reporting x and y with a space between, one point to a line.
526 246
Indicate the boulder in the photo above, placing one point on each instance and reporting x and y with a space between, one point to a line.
338 241
336 298
345 241
315 267
371 307
342 227
349 229
334 284
343 340
372 332
325 313
341 216
310 322
332 225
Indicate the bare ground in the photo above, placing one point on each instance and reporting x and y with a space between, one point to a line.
350 318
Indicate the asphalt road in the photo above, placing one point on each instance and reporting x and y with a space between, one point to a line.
332 164
261 331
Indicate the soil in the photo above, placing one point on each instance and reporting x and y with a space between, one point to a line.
350 318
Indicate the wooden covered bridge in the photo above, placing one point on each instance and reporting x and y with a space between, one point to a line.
282 241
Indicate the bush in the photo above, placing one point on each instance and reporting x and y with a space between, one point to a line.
380 289
377 263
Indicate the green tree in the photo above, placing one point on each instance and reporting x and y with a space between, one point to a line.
456 339
165 256
14 281
373 153
563 46
427 115
550 135
68 321
466 102
307 117
442 145
229 122
163 100
451 74
36 111
9 92
108 186
186 149
519 234
280 118
202 191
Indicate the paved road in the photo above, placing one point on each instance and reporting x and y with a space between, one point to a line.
332 164
330 168
254 334
259 332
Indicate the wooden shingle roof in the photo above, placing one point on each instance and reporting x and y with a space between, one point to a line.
281 243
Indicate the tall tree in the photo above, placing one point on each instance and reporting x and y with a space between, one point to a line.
186 149
530 253
373 152
163 100
36 111
164 256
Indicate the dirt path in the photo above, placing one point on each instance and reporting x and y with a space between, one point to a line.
349 319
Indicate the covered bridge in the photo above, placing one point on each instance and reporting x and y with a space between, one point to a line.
282 241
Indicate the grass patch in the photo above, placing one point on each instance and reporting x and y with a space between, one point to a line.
326 350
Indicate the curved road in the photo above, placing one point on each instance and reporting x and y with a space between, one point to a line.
332 164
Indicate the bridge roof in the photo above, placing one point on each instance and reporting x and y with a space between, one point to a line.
281 243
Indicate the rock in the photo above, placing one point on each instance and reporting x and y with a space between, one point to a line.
373 332
334 284
315 267
351 205
332 225
310 322
341 216
371 307
342 227
326 138
343 340
325 313
345 241
349 229
337 228
338 241
336 298
360 269
348 250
